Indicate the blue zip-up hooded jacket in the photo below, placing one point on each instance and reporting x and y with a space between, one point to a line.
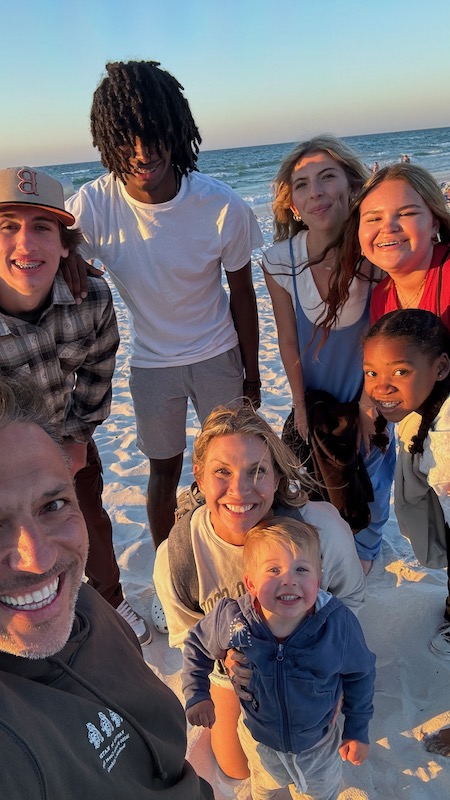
296 684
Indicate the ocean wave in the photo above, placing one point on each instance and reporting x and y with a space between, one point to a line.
251 170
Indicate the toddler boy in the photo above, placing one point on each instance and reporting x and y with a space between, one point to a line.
305 649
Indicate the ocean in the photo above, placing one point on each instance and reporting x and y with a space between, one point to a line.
250 170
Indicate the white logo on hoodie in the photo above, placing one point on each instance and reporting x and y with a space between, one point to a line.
109 727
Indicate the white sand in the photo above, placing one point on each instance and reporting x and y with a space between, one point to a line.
403 607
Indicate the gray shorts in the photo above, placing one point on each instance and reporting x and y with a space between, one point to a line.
314 774
160 398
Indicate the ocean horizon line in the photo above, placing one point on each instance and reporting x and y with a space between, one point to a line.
274 144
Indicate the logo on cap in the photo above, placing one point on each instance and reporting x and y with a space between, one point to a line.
27 181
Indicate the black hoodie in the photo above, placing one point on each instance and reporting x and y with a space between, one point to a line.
93 721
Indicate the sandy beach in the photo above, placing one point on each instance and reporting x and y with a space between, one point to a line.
404 604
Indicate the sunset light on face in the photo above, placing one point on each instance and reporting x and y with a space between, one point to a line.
226 239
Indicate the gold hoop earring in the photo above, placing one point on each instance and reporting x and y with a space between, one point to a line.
296 217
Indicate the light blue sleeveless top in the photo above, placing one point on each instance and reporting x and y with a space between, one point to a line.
337 367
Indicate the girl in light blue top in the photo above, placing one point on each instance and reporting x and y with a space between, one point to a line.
313 190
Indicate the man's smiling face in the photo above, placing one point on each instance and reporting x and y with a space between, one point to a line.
43 543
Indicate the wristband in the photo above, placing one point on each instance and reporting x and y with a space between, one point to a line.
252 384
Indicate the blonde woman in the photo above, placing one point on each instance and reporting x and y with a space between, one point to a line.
246 474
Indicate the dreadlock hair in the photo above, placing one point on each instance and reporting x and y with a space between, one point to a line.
347 248
137 99
426 332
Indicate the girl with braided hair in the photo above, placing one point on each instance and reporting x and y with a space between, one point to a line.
407 377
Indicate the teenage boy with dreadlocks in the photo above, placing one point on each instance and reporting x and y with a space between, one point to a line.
164 230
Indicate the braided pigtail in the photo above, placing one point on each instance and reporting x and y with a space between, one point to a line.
432 406
380 438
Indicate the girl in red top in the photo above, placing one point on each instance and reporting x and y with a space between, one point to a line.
400 223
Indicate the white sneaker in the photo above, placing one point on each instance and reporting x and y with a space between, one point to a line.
137 623
440 643
158 616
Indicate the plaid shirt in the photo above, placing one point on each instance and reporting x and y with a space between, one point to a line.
70 353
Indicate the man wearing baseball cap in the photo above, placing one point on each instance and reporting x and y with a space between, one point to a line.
68 350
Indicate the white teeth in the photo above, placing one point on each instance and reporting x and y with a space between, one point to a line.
27 264
392 404
289 597
37 599
144 170
239 509
387 244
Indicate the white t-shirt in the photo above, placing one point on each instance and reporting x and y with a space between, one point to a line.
166 259
277 262
435 461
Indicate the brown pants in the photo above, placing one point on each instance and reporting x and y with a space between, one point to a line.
101 568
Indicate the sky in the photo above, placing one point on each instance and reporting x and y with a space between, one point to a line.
254 71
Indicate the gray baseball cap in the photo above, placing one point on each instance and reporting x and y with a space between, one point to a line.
31 187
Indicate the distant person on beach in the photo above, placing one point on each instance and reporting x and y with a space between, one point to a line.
305 649
312 191
247 474
82 716
407 377
69 351
375 166
164 231
402 225
405 159
445 189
